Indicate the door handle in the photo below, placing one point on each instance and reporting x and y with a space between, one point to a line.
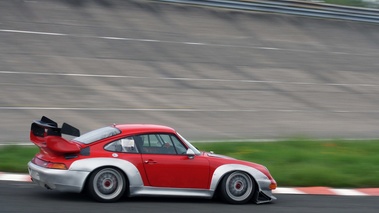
150 161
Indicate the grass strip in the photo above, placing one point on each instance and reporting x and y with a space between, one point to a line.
304 162
356 3
15 158
297 162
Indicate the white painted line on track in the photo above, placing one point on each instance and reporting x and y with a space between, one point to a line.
182 110
147 109
115 38
32 32
69 74
183 42
194 43
189 79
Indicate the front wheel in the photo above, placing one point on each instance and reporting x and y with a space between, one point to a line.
237 188
106 185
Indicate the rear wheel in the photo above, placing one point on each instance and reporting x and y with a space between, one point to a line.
106 185
237 188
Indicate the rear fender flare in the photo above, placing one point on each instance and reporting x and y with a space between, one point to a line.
90 165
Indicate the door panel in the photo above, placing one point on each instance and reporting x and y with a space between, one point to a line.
176 171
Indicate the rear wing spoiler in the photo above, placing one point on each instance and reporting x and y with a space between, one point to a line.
46 134
46 127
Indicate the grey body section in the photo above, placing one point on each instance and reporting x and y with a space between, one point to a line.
55 179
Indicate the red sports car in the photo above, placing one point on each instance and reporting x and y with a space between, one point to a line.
140 160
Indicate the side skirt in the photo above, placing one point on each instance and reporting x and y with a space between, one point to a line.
160 191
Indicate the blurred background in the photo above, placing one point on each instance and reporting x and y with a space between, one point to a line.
357 3
212 74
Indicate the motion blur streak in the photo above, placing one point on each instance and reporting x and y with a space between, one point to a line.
210 73
185 43
190 79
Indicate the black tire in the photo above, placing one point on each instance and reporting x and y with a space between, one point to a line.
237 188
106 185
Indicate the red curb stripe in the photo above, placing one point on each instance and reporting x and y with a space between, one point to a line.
370 191
317 190
28 179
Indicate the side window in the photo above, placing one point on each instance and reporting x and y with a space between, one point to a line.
122 145
153 140
161 144
180 148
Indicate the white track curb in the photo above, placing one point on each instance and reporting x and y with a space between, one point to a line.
319 190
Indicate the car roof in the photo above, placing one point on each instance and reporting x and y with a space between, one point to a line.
143 128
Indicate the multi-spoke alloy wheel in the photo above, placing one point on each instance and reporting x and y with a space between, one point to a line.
106 185
237 187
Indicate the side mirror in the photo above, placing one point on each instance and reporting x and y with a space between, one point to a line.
190 153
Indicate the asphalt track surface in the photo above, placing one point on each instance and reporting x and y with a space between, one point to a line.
209 73
28 197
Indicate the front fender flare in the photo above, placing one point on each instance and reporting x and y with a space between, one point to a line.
260 178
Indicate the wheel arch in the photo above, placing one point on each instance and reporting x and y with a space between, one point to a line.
85 184
222 171
132 175
236 170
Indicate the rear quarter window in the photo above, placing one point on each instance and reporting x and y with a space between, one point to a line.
97 134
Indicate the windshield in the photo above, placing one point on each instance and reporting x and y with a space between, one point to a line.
97 134
197 152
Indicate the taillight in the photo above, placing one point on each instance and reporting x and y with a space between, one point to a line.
50 165
39 162
56 166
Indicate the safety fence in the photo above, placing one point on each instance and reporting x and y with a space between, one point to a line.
303 8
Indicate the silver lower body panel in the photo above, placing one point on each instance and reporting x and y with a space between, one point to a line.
177 192
56 179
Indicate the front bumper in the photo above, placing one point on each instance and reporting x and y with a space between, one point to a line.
265 193
56 179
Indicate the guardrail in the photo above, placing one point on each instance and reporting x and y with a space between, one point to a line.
291 7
